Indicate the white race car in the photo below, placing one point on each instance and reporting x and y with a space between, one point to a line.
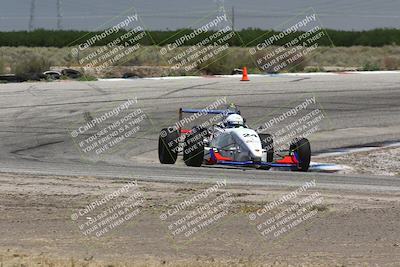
229 142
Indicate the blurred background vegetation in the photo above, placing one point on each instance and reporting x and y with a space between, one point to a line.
248 37
36 59
27 53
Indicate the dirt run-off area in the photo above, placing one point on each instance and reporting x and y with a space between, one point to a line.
375 161
45 221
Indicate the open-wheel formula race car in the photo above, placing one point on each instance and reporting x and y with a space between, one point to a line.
229 142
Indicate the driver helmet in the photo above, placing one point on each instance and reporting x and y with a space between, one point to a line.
234 120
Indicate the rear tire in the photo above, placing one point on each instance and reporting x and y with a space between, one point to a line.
267 142
168 146
193 149
302 149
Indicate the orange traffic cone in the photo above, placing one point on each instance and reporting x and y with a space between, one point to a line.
245 77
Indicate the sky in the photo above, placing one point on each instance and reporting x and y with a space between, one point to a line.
175 14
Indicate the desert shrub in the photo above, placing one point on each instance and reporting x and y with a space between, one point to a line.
87 78
238 58
228 60
264 60
314 69
147 55
298 65
260 61
30 66
34 60
1 65
68 59
371 66
216 65
390 63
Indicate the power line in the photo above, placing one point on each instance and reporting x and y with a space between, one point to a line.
237 15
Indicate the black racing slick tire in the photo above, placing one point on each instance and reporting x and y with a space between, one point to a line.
168 146
302 149
267 143
72 74
193 149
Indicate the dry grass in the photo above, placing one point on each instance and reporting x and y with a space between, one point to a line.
30 65
323 58
358 57
1 66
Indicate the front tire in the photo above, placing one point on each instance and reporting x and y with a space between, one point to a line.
267 143
168 146
193 149
302 150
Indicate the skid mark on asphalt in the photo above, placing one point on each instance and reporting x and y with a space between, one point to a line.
97 88
187 88
37 146
300 79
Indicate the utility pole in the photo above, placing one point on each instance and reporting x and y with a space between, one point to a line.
59 16
33 2
233 18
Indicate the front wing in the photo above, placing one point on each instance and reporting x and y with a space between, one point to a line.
218 159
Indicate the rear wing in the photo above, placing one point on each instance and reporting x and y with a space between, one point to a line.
204 111
208 111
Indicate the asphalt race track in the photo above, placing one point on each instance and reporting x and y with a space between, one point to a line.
36 120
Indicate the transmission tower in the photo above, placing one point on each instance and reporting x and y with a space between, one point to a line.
233 18
59 15
222 12
32 17
221 6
